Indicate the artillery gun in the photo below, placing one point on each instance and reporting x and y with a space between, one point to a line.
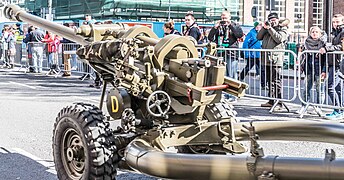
163 95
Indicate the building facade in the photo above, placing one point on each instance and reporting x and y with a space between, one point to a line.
302 13
294 10
338 7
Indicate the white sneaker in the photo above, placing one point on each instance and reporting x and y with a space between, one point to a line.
74 68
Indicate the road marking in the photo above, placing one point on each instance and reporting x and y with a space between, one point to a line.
21 84
49 165
87 99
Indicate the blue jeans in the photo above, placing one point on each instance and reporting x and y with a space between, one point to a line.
335 85
231 59
232 68
50 59
73 60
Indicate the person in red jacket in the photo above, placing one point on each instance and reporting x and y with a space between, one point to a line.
53 42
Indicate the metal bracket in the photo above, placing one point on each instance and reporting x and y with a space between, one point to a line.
330 155
229 141
267 176
255 149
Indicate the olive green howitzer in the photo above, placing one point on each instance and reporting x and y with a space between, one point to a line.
160 94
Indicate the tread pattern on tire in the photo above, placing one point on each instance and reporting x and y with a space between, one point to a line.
220 110
102 151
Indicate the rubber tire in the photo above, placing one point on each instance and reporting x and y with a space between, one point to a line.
213 112
100 153
218 111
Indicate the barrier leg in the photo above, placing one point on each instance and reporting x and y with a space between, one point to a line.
276 103
303 111
318 110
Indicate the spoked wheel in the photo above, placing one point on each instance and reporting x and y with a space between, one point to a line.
82 144
213 113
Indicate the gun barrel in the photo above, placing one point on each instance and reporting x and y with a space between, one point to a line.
15 13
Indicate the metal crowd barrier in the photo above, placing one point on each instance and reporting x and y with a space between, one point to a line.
250 69
51 63
316 76
245 68
201 51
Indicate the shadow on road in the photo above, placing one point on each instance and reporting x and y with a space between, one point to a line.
18 166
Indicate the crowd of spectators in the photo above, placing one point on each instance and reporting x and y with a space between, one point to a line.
271 34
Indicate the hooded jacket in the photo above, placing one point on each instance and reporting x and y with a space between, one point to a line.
335 46
274 38
251 42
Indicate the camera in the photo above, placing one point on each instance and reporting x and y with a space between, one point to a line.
222 22
268 23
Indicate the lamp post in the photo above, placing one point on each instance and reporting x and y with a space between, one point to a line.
298 46
169 10
50 10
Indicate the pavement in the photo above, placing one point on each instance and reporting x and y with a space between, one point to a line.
249 110
30 102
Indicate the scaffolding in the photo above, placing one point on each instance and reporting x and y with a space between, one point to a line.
205 11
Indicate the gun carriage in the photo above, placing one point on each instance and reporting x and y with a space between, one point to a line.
162 94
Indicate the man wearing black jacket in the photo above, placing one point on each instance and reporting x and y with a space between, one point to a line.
226 34
192 29
335 80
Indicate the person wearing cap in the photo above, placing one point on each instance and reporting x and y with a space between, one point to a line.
274 36
18 33
19 36
253 57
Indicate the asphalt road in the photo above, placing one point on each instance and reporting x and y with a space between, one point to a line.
29 104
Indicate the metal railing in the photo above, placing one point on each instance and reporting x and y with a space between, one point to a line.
320 80
300 75
35 58
246 65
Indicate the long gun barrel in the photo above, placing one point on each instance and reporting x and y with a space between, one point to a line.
15 13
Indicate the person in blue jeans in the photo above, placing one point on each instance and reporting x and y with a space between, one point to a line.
335 79
253 57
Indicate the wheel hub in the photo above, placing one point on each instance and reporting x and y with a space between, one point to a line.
73 154
157 102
